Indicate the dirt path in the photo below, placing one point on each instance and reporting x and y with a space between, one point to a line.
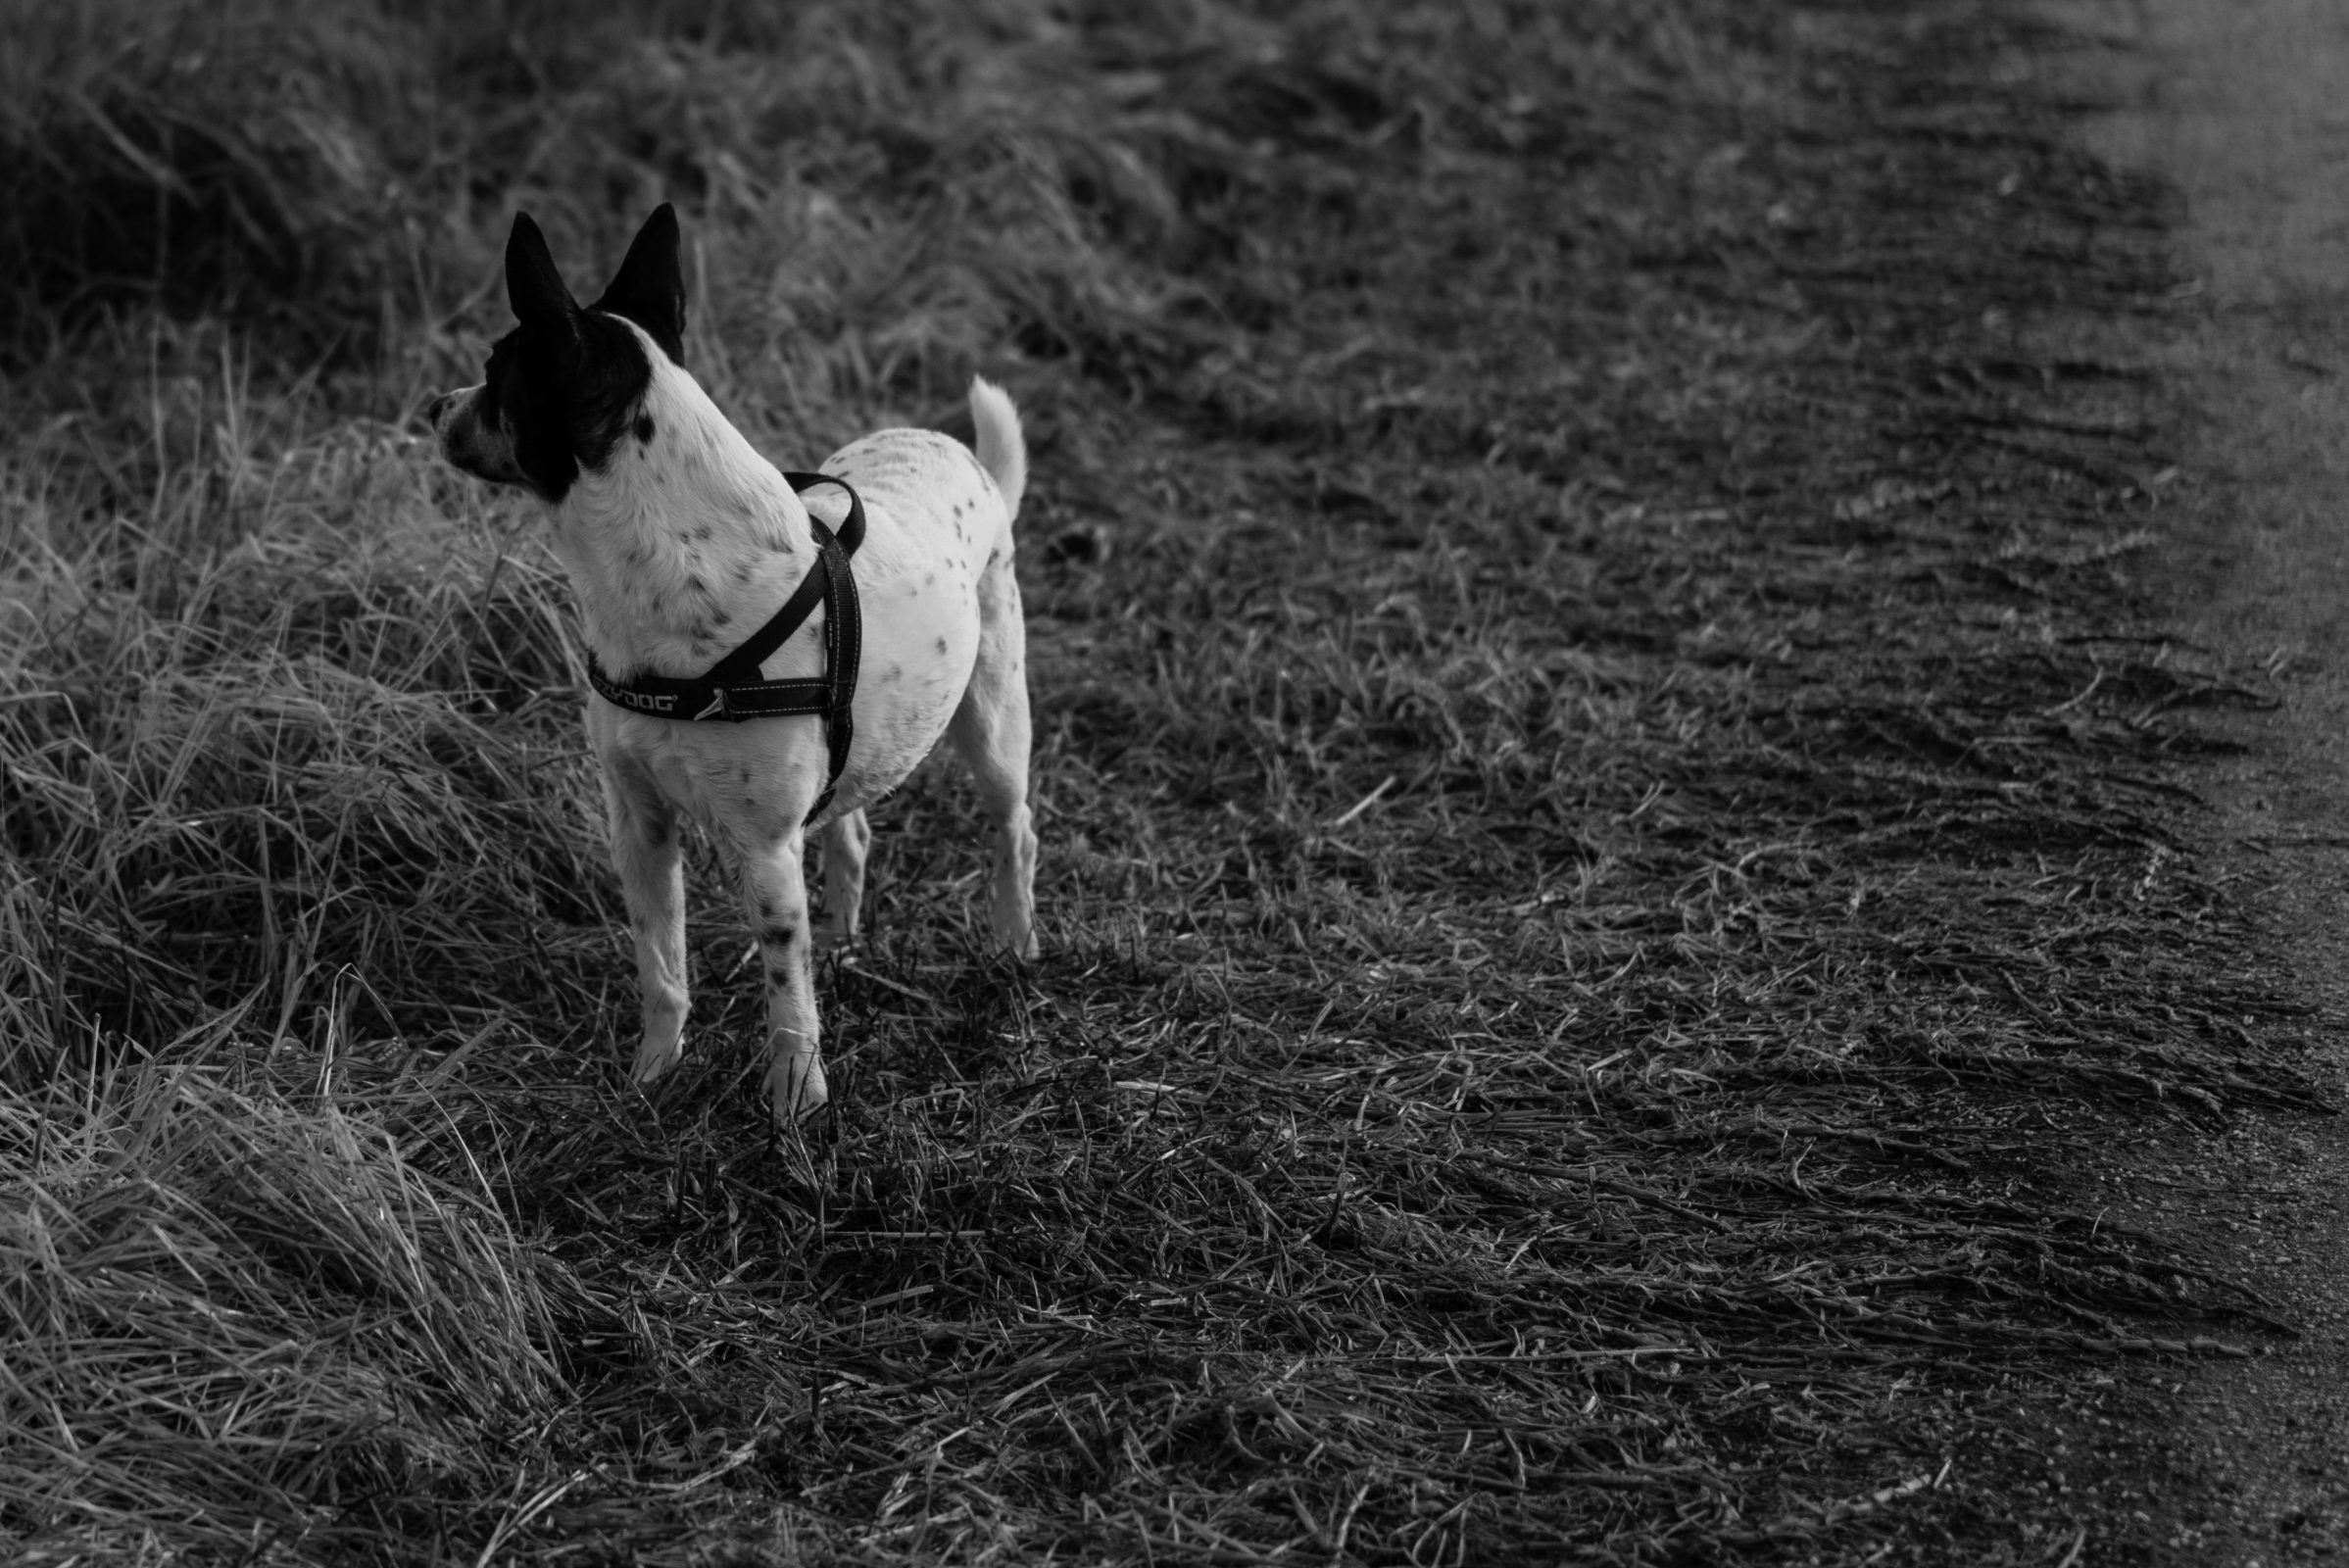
2239 104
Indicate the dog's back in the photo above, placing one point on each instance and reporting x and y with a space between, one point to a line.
943 499
936 561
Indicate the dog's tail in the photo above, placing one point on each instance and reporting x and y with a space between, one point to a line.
1003 449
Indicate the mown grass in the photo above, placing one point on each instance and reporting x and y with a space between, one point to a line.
1601 841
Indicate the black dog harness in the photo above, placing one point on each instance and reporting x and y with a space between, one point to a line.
732 690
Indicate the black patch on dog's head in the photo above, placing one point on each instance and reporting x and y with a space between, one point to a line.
565 382
649 289
644 428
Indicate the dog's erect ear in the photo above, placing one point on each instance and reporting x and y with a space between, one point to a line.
649 289
533 288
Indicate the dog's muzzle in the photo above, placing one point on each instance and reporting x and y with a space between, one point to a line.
471 443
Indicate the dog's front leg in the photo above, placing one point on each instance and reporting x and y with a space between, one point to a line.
652 865
774 896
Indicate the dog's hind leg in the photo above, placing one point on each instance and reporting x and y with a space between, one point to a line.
774 896
991 732
847 839
652 868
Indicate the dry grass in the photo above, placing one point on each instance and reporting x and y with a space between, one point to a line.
1603 840
229 1319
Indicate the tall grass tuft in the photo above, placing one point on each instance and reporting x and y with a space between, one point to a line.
259 680
233 153
342 172
232 1321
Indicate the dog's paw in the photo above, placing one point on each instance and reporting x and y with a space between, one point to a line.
796 1085
653 1062
1013 935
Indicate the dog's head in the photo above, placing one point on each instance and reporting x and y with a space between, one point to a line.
563 388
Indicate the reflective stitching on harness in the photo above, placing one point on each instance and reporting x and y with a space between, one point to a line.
732 691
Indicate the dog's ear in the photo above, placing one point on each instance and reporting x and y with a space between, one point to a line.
649 289
533 287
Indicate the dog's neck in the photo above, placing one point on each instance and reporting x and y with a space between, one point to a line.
685 541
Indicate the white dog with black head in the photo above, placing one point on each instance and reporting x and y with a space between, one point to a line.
682 543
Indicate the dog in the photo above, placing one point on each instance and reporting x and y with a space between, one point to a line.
681 542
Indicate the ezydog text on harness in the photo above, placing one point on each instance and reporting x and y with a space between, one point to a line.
732 691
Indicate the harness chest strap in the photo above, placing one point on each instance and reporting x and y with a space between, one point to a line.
731 690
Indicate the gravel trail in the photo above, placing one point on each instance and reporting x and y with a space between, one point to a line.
2243 105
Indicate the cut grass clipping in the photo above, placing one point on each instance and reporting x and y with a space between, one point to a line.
1601 847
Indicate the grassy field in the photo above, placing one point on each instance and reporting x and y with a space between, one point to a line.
1606 834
